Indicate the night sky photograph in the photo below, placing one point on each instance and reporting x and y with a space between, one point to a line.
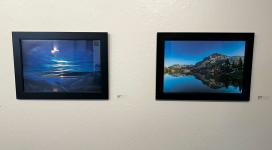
61 66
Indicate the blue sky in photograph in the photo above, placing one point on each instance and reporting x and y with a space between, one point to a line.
191 52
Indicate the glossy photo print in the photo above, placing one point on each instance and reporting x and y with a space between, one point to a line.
204 66
61 65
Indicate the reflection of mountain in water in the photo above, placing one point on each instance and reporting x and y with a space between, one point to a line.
215 82
215 71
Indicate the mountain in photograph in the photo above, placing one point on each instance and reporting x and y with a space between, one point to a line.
215 71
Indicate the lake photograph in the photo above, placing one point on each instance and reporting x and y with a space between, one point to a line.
203 66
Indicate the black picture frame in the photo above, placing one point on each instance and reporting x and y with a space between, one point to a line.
200 36
17 38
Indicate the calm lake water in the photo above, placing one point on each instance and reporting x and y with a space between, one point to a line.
189 83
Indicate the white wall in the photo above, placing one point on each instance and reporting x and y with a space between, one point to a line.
135 121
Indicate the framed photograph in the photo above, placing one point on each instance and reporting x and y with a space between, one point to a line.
61 65
204 66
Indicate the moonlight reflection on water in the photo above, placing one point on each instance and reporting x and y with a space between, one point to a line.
61 66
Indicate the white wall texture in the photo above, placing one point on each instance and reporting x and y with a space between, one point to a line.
135 121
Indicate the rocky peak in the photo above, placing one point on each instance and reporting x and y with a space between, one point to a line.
216 56
211 59
176 66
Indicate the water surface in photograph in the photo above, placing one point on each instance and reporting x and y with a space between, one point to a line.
61 66
203 66
189 83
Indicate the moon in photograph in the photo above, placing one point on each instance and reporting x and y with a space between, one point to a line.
54 51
